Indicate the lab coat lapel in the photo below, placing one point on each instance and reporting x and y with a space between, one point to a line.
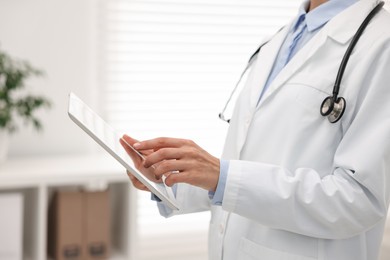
302 57
344 26
264 63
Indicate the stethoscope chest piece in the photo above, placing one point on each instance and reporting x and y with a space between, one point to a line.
334 110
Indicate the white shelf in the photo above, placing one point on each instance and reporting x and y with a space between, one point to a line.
59 170
38 178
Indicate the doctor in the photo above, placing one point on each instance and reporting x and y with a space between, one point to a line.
290 184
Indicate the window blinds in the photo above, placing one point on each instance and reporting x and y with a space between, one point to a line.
167 68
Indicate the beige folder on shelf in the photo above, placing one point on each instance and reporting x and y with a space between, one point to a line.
79 226
97 225
65 227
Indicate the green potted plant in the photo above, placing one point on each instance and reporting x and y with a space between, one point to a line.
14 103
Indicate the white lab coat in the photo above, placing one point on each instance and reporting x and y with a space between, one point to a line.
299 187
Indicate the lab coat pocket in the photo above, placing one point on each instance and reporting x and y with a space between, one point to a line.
309 98
249 250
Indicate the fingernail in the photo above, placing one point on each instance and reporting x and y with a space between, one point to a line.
136 145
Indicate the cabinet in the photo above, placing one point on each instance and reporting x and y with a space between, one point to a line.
38 178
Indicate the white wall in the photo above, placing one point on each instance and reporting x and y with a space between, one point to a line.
57 36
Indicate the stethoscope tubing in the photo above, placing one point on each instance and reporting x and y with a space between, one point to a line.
350 48
251 59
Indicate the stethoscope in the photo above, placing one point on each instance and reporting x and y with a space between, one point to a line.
333 106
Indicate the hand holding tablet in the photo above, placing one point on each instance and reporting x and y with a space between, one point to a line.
107 137
151 176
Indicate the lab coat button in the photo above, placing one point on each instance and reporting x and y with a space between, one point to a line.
221 228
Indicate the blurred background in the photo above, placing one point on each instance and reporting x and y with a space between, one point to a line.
150 68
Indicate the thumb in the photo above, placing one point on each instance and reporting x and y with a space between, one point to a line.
129 139
133 155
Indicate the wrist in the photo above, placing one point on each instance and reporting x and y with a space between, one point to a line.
215 175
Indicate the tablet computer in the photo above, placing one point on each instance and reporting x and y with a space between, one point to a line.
108 138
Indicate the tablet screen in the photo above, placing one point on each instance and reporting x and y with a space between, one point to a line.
108 138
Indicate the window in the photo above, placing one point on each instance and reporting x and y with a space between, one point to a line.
167 68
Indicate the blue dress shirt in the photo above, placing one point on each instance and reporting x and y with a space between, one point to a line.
304 27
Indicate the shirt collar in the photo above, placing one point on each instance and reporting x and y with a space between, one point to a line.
318 17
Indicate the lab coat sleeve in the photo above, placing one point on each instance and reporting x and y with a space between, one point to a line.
189 198
344 203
